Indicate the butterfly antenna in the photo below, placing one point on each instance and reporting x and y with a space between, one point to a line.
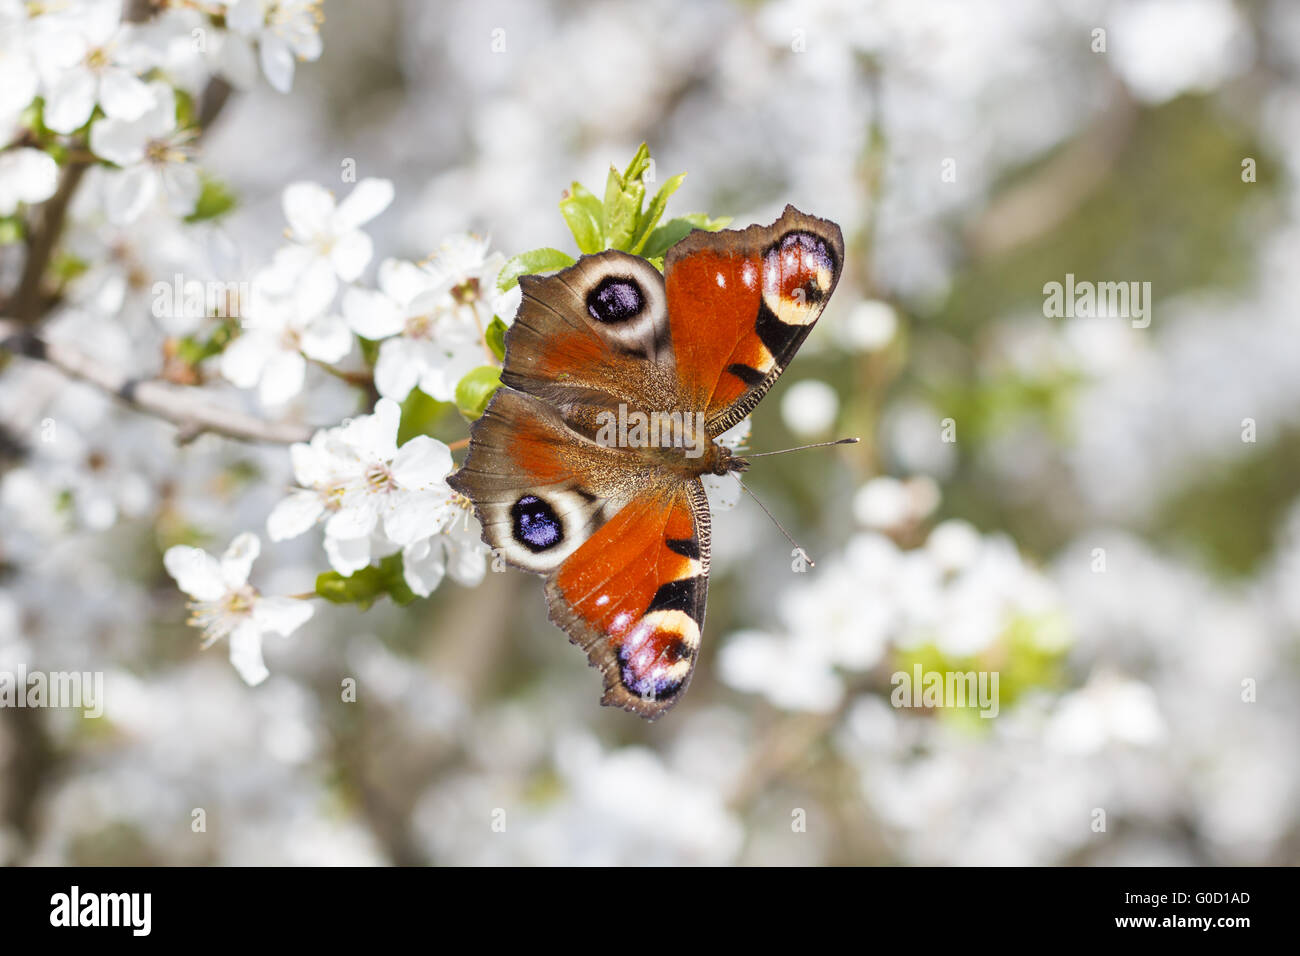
745 488
820 444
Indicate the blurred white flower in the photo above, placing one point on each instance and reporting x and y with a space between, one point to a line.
457 551
26 176
377 499
433 318
19 81
327 241
1166 47
225 605
870 326
403 490
277 338
1108 709
887 504
809 407
284 30
154 158
88 57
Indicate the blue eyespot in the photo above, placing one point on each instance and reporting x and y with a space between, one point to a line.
536 525
615 299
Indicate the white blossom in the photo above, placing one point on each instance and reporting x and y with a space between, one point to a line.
86 58
153 156
226 605
284 30
26 176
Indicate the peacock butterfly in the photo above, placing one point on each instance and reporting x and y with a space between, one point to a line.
586 465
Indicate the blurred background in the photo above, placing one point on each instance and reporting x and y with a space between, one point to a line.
1107 515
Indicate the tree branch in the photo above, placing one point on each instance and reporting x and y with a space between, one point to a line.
188 408
28 306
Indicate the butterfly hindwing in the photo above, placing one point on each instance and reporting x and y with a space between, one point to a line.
625 551
741 302
540 490
633 597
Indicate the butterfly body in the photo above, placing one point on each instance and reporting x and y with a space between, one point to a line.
616 385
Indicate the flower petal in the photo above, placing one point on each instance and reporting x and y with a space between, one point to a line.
281 615
398 369
128 193
423 566
117 141
277 62
283 377
422 463
196 572
125 97
402 281
411 516
70 100
350 254
326 339
294 515
356 519
246 653
347 556
370 197
371 314
244 360
308 207
238 560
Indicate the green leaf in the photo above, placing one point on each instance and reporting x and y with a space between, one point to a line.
651 216
623 199
640 163
186 112
475 390
495 337
361 589
395 580
591 202
369 350
215 199
11 230
192 351
65 266
586 218
675 230
420 415
528 263
366 586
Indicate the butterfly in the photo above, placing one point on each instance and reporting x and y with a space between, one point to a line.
586 466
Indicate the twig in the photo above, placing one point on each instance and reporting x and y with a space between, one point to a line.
190 409
1046 199
27 305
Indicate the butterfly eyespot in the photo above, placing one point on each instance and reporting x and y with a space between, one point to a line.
535 524
799 267
615 299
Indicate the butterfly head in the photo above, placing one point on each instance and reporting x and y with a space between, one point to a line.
725 461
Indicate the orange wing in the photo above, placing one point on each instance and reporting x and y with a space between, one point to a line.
740 303
633 597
